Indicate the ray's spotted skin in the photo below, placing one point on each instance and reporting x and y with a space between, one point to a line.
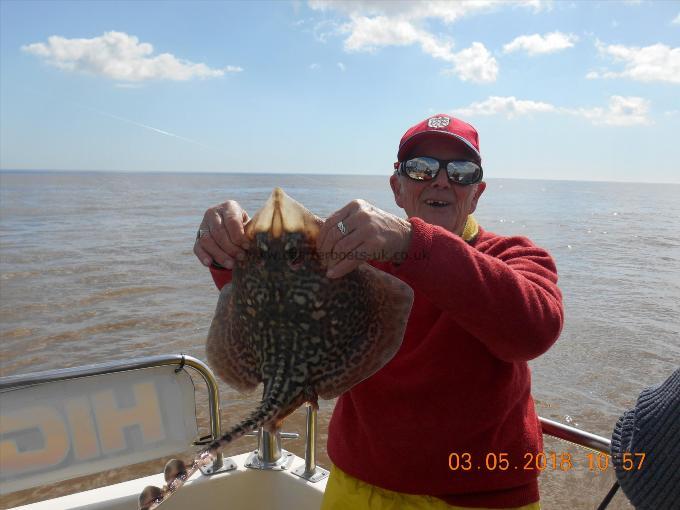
283 323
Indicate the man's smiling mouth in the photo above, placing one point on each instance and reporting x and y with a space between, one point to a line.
437 203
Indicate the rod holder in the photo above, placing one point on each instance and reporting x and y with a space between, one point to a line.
269 454
269 446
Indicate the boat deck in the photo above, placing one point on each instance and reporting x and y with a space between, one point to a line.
239 489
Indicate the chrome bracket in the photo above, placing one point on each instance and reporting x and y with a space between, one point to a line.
283 463
228 464
313 476
269 454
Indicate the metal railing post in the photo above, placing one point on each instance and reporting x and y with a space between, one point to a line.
213 402
310 471
310 441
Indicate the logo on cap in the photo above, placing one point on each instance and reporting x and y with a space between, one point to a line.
438 122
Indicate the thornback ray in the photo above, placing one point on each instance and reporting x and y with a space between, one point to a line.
281 322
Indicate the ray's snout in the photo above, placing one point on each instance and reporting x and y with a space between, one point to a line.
281 214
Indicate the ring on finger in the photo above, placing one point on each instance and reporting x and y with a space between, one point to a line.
202 232
342 228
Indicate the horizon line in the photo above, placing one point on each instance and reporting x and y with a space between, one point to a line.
227 172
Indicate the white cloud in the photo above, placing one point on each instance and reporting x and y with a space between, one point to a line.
475 64
341 66
621 111
509 106
368 34
676 20
446 10
657 62
120 56
375 24
537 44
314 66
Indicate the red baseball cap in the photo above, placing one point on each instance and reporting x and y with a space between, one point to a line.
441 125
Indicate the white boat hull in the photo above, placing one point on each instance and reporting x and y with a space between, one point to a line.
239 489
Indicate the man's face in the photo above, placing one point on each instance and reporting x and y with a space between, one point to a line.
439 201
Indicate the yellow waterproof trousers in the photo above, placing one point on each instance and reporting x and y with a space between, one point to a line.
344 492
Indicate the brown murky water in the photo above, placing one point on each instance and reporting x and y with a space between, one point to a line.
99 267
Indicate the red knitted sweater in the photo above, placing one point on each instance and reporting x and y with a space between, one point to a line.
460 383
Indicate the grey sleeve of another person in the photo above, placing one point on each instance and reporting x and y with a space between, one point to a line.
651 428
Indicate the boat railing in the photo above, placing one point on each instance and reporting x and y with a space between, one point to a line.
82 413
269 454
575 436
180 360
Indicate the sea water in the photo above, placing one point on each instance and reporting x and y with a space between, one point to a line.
96 267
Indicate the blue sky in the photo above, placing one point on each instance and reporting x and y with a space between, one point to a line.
557 90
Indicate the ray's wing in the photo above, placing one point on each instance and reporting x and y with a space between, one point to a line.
366 335
229 355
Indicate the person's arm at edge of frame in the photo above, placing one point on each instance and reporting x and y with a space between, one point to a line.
505 295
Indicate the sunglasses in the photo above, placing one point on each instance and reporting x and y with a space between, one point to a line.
425 168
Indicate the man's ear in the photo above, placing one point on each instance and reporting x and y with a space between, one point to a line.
475 198
395 184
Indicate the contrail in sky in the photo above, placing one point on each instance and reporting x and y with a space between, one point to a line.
150 128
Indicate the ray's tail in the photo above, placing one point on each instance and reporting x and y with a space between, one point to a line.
268 409
273 406
176 472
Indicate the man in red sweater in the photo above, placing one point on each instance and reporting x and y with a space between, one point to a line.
449 422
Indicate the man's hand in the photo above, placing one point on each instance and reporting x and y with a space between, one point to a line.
221 238
372 234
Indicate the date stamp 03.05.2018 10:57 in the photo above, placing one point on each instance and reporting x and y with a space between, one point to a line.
563 461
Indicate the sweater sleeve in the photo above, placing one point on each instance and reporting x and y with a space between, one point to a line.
220 276
502 290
